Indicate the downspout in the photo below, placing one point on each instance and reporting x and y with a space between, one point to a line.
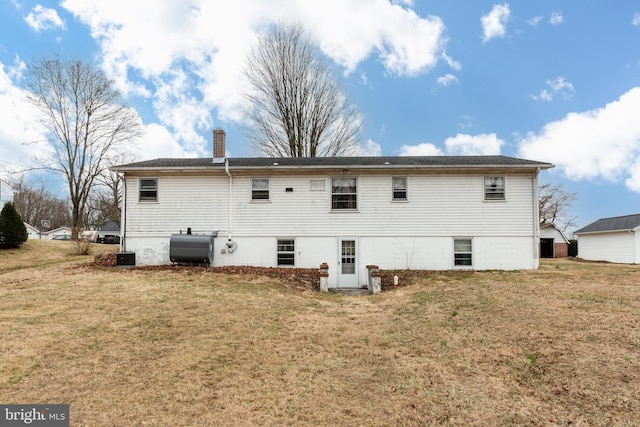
226 169
123 214
536 218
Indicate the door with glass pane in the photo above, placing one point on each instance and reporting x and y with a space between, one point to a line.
347 262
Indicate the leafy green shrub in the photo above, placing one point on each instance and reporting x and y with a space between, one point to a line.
13 233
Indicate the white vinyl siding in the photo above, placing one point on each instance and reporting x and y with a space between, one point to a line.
418 234
613 247
440 205
199 202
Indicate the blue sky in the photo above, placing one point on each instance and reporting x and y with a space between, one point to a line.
545 80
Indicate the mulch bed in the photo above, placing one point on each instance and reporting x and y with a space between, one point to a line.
307 278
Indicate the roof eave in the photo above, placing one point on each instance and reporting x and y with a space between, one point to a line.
325 167
621 230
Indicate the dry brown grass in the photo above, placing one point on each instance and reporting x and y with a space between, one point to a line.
189 347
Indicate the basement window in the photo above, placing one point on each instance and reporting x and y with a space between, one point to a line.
148 190
286 252
462 252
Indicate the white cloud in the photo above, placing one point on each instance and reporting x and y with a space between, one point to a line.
452 63
20 133
447 80
636 20
596 144
22 138
17 70
42 18
146 45
158 142
369 148
534 21
557 87
459 145
494 23
556 18
426 149
473 145
408 3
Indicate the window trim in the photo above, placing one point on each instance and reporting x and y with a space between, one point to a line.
292 252
487 190
354 200
268 190
155 188
406 189
460 252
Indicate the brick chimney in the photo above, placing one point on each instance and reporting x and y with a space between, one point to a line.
218 145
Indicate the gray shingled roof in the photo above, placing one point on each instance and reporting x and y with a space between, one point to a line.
329 162
618 223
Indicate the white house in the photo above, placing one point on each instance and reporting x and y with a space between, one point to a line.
32 232
435 213
553 242
60 231
615 239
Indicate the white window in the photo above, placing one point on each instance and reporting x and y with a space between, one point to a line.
148 190
399 184
286 252
259 188
462 252
494 187
344 193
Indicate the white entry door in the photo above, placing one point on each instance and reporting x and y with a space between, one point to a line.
347 262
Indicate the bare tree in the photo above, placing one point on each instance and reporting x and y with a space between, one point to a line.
107 200
555 206
295 105
34 203
84 119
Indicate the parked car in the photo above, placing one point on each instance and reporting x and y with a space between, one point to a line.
112 239
61 237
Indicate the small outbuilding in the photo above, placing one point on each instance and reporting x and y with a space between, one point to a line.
553 242
615 239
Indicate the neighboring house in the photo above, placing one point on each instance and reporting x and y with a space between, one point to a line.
434 213
553 242
60 231
32 232
614 239
6 193
109 228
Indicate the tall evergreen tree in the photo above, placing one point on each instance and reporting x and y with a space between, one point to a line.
13 233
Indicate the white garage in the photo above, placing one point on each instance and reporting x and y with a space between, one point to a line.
615 239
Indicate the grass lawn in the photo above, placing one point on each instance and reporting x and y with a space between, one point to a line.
194 347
